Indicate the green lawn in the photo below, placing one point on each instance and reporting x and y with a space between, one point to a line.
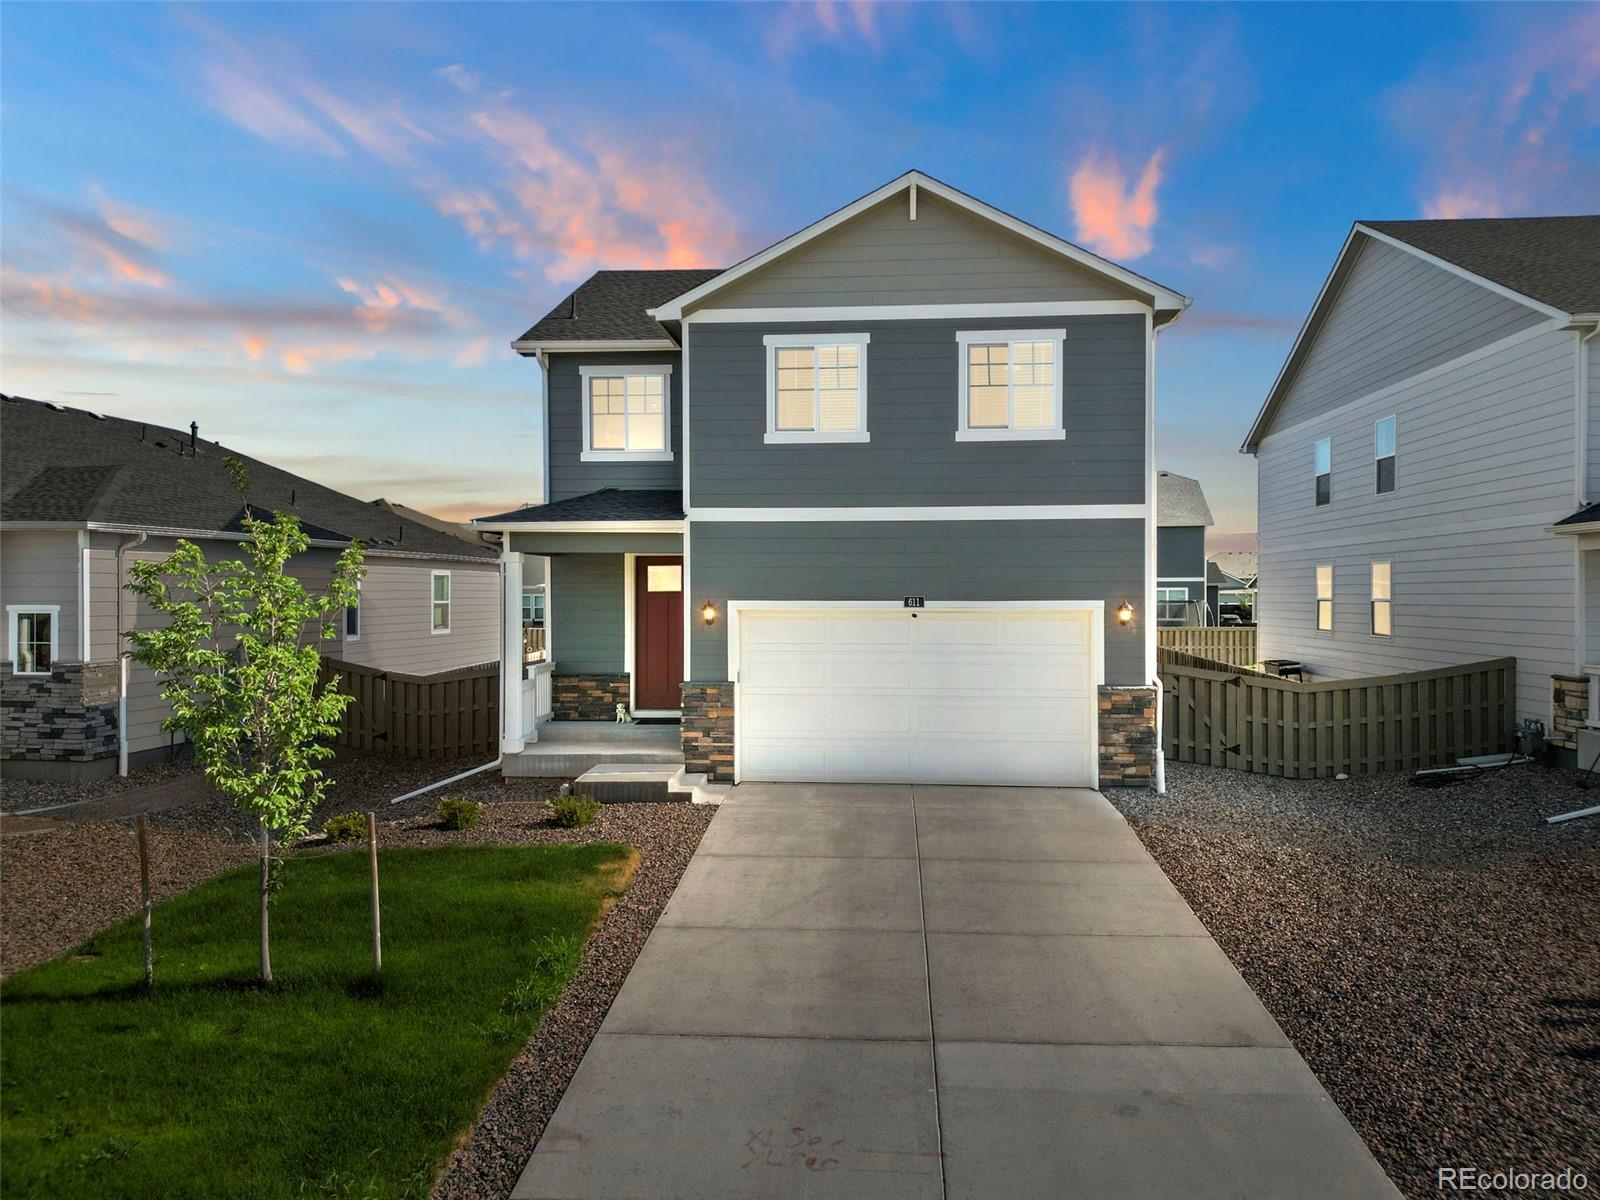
327 1083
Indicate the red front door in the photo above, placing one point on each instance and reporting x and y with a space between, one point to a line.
657 632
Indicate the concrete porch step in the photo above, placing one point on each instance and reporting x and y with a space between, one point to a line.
615 783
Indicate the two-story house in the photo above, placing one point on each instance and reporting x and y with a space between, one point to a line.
1428 456
1182 517
877 503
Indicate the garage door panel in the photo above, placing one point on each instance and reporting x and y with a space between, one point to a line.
942 696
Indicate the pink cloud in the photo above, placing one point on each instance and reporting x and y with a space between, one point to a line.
1112 218
265 110
1509 131
851 22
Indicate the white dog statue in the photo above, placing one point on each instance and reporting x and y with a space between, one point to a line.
624 717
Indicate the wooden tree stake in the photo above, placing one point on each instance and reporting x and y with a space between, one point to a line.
144 893
377 934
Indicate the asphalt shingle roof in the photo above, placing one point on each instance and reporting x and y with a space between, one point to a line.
67 465
1584 516
1180 501
608 504
1555 260
610 306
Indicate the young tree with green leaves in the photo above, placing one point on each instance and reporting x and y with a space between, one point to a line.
240 662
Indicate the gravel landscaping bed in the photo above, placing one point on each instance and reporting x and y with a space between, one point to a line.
1434 953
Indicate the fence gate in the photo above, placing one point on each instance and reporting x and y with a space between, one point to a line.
450 715
1222 716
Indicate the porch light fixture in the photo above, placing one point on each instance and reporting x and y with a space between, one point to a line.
708 613
1124 613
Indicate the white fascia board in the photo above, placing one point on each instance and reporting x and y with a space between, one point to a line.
919 312
1574 530
588 526
1160 297
593 346
969 512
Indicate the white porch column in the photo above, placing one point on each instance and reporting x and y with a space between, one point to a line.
511 724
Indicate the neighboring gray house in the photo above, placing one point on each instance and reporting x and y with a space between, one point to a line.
863 507
1231 587
83 496
1437 420
1182 516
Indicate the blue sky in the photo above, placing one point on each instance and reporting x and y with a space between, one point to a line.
315 228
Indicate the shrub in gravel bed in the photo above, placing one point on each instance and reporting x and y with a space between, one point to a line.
573 812
346 827
458 814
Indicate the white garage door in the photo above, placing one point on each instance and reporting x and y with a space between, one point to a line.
1002 696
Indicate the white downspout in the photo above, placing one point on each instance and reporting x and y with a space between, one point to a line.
122 659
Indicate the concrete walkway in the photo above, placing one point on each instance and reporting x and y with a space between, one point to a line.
938 992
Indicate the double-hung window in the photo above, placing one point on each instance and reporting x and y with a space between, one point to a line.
1325 599
817 387
627 413
441 602
1383 445
35 637
1324 470
1382 599
352 618
1010 385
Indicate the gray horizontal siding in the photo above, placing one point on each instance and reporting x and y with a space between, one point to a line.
941 560
569 475
1181 552
946 256
42 568
585 607
1484 465
1394 316
913 458
397 618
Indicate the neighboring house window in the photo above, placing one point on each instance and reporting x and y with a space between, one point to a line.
817 387
627 413
1383 444
1325 599
1324 470
35 637
533 635
533 606
441 602
352 619
1010 385
1382 598
1172 605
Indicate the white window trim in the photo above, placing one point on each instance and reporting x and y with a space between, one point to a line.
13 611
356 608
1316 603
780 437
1378 458
590 371
1374 598
448 601
1053 433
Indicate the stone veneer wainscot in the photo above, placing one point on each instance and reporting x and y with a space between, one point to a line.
587 697
707 725
69 715
1127 736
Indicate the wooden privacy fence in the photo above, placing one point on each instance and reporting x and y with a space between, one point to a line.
449 715
1224 718
1233 644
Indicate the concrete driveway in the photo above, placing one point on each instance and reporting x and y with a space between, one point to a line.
938 992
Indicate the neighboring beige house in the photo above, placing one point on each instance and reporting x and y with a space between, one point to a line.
84 496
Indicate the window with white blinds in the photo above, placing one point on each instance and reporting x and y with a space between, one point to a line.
817 387
1010 384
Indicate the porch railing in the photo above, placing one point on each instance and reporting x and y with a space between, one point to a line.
533 643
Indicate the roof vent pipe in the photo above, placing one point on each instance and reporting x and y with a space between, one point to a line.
194 435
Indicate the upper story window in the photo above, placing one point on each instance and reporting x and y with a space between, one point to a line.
1383 444
1324 468
1010 385
352 618
35 637
441 602
627 413
817 387
1325 598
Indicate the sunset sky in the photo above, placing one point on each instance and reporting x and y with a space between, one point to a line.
315 228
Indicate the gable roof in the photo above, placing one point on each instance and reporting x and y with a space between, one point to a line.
613 306
1229 568
1552 260
67 466
608 504
1180 501
1160 298
1550 264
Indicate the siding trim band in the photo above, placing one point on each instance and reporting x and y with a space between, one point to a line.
969 512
